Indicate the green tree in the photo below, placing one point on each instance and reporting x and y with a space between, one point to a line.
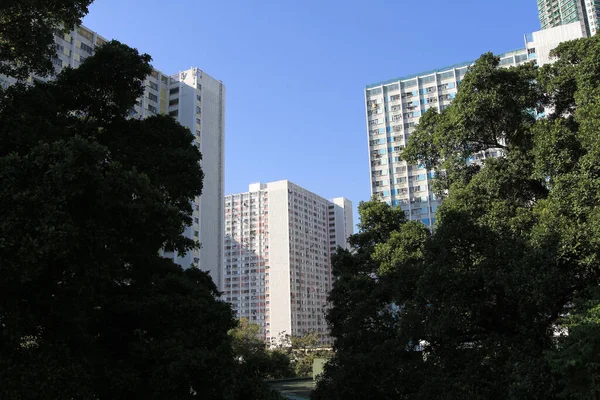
256 363
302 351
575 360
368 358
27 33
500 301
88 308
253 355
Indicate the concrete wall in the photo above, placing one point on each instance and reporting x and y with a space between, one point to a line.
344 221
279 259
547 40
212 146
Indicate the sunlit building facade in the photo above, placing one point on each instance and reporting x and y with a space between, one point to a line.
394 107
554 13
279 238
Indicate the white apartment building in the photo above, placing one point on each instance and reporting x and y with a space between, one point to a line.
562 12
394 107
279 238
539 44
197 101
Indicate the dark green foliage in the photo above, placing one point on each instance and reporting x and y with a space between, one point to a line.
27 33
501 301
302 351
255 363
88 308
254 357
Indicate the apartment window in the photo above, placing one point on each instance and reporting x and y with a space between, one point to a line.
153 97
153 85
174 91
86 48
408 83
391 88
152 108
173 102
427 79
520 58
174 113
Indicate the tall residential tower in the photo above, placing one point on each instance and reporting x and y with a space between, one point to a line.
562 12
197 101
394 107
279 239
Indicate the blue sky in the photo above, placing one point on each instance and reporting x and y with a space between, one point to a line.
295 70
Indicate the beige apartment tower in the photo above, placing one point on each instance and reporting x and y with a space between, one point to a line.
279 239
197 101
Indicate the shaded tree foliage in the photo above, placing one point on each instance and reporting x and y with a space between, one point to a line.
501 300
302 351
253 355
88 307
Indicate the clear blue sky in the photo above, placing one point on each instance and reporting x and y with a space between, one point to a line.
295 70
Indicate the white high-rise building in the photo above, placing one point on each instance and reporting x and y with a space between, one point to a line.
279 239
539 44
197 101
562 12
394 107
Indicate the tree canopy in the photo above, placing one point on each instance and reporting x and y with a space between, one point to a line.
501 300
255 359
88 307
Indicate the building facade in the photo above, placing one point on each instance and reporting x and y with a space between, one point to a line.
279 238
554 13
592 16
197 101
394 107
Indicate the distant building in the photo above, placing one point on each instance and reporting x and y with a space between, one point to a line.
279 238
394 107
554 13
197 101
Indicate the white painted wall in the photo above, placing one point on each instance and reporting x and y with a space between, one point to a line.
210 110
547 40
279 259
212 147
344 221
